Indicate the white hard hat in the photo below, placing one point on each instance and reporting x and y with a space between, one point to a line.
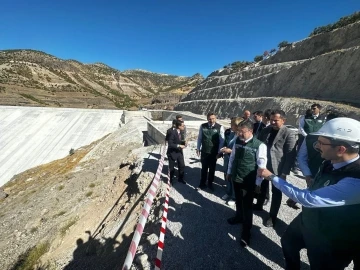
342 129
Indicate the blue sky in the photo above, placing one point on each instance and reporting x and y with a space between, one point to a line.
175 37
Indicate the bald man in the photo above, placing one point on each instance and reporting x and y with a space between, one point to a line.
247 115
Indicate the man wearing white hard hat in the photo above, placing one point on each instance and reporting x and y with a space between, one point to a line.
329 225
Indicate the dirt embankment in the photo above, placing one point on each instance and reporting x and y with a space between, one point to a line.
78 212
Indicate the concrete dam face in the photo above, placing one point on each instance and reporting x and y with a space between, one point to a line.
31 136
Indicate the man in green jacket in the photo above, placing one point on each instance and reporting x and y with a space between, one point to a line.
247 155
210 141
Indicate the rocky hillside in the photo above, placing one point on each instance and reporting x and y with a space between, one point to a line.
34 78
322 68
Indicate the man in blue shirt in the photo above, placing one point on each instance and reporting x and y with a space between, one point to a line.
328 226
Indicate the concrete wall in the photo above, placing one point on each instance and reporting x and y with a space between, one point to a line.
156 134
130 114
31 136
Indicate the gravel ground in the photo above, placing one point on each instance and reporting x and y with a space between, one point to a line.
199 237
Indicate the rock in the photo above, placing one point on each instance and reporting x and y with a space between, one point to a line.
142 260
3 195
153 239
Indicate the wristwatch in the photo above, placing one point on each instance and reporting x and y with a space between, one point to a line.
271 177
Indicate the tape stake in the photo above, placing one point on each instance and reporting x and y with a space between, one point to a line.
144 214
163 227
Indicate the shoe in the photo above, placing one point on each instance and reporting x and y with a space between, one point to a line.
182 181
231 202
234 220
257 207
270 222
225 197
201 186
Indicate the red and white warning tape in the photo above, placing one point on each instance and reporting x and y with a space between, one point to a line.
163 227
144 214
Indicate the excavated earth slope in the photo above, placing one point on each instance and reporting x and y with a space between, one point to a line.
323 69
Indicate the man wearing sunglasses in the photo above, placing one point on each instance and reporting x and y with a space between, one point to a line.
328 226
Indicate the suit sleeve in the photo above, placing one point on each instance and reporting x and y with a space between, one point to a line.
199 139
173 140
289 153
221 138
168 132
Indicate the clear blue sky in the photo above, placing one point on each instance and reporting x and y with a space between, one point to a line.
176 37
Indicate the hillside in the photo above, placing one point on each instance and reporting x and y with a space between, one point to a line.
34 78
322 68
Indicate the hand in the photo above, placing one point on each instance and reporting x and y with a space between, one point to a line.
197 152
292 204
308 180
226 150
258 189
182 146
263 173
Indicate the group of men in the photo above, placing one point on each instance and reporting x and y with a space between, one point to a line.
262 150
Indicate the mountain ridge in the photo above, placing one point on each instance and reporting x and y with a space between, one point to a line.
35 78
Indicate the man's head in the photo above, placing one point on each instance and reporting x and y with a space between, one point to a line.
315 109
179 117
266 116
211 118
339 139
174 123
277 119
258 115
235 121
245 130
180 125
246 114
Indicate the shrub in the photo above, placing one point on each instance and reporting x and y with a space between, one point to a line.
30 258
258 58
284 44
344 21
67 225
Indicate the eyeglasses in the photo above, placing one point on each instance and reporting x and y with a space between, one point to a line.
321 143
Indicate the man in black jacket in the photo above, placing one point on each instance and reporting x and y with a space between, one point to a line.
175 151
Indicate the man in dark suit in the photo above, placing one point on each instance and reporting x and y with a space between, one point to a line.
280 142
175 151
168 132
259 124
